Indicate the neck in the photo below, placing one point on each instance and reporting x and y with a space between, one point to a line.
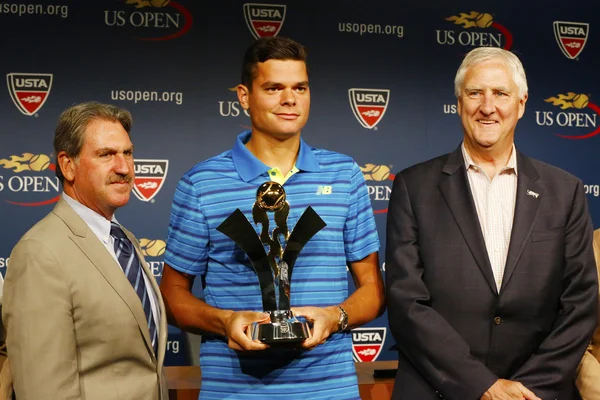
72 193
491 159
280 153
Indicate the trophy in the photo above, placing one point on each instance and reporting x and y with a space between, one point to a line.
274 268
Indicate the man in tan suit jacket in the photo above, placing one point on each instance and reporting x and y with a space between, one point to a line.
588 372
76 324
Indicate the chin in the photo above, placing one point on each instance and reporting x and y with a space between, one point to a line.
120 201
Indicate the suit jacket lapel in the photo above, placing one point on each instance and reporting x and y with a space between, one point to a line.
95 251
457 193
527 207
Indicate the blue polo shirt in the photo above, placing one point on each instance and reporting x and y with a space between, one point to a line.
206 195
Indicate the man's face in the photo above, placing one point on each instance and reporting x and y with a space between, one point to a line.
489 106
279 102
102 175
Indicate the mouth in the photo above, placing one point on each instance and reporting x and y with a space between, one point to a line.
486 122
287 116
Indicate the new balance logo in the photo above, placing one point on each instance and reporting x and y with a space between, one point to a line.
323 190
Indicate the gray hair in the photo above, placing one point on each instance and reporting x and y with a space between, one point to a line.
482 54
73 122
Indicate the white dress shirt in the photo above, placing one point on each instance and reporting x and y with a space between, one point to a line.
495 203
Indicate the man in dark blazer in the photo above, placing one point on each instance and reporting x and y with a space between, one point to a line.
491 281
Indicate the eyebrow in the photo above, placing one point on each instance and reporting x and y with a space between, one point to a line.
271 84
499 88
104 150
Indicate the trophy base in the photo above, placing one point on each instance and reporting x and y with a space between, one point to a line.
283 329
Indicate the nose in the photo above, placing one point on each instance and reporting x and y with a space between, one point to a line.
487 105
288 98
121 164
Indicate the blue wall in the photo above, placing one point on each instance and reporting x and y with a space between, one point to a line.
172 65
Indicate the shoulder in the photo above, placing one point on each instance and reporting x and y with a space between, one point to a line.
548 172
426 171
50 229
334 161
209 169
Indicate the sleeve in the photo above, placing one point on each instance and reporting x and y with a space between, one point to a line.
37 314
188 236
556 359
360 231
433 347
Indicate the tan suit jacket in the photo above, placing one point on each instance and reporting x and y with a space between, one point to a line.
588 373
75 326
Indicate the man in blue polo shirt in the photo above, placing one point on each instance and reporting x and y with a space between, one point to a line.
276 93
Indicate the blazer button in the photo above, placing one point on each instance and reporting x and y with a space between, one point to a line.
497 320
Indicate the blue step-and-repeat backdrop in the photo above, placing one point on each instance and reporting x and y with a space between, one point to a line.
381 76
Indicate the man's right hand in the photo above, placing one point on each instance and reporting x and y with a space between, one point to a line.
239 332
504 389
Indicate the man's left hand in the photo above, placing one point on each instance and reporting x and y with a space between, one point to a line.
324 320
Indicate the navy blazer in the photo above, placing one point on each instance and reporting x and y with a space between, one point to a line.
456 334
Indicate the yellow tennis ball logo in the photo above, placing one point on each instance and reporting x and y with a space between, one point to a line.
374 172
580 101
484 20
39 162
159 3
153 248
380 172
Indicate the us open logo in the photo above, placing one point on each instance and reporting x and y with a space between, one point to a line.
486 32
571 37
29 91
367 343
577 111
264 20
150 176
32 182
369 105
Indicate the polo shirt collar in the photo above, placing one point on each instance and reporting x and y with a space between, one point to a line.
249 167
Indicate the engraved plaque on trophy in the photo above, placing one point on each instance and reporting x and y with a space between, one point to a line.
274 268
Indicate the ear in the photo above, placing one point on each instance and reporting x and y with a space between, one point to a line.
459 105
243 93
522 105
67 165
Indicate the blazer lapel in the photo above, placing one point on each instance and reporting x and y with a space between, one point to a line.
527 208
457 193
95 251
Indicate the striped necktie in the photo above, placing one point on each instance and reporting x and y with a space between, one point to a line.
131 267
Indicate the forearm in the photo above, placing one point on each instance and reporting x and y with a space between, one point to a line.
364 305
191 314
367 302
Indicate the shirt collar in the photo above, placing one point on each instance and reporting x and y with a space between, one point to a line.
511 164
250 167
96 222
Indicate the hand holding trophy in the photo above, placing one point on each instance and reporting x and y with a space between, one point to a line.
274 269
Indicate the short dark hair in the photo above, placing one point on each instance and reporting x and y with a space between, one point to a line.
73 122
270 48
